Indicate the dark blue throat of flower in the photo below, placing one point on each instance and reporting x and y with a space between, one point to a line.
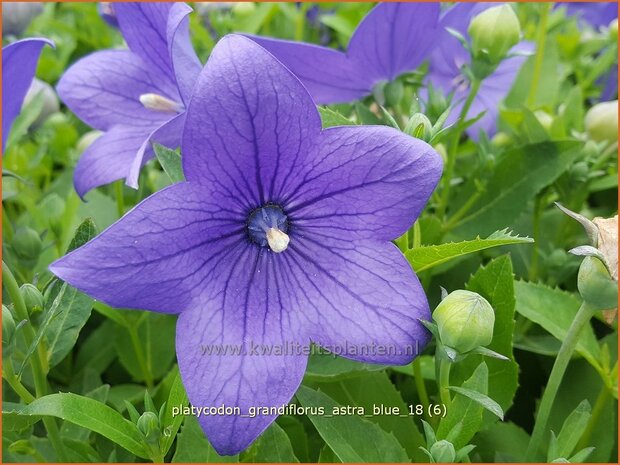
156 102
267 226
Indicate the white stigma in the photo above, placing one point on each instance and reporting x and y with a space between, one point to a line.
158 102
277 240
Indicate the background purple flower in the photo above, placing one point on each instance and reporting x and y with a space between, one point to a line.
260 173
448 59
392 39
597 14
19 63
134 95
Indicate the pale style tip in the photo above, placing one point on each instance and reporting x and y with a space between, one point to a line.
158 102
277 240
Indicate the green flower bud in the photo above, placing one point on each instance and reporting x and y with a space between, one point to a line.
501 139
544 118
32 298
27 245
465 321
494 32
596 285
602 122
8 332
87 139
419 126
613 30
243 8
49 97
148 424
443 452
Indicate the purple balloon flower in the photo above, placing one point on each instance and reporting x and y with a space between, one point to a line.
447 62
597 14
392 39
19 63
280 236
134 95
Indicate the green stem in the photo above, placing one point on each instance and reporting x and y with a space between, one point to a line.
9 375
598 408
541 40
7 227
120 200
420 386
454 219
416 240
300 21
444 381
37 364
135 341
536 233
581 319
452 152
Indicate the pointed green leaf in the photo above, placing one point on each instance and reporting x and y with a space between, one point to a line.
170 161
273 446
331 118
481 399
428 256
193 446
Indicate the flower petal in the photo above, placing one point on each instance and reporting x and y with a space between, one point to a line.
108 158
329 75
103 89
361 298
168 135
158 254
228 348
144 26
19 63
394 38
248 124
182 55
364 182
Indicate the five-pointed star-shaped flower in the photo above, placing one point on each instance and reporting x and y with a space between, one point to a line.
134 95
392 39
19 63
279 236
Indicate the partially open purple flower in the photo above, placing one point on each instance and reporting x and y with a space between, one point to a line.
19 63
134 95
392 39
446 70
280 236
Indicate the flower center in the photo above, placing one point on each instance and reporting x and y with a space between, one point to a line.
158 102
267 226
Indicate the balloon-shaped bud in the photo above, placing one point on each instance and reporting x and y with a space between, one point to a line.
494 32
27 245
148 424
596 285
443 452
602 122
32 298
465 321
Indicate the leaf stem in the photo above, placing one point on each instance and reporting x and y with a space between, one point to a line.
452 153
11 378
536 234
37 363
583 316
120 200
444 381
135 341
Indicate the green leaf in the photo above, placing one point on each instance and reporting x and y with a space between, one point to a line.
328 367
67 309
572 430
170 161
193 446
425 257
92 415
554 310
273 446
12 420
520 174
375 388
171 425
465 410
331 118
504 442
482 399
351 437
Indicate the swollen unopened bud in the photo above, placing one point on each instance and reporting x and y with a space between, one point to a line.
32 298
27 245
465 321
613 30
148 424
443 452
596 285
8 332
602 122
494 32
